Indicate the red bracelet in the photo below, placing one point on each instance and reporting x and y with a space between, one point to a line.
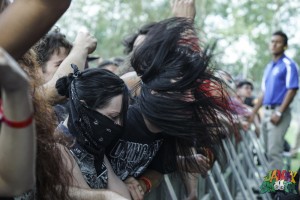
147 183
210 155
21 124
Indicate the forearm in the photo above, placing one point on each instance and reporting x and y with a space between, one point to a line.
24 22
184 9
191 183
78 57
17 145
79 189
258 104
155 178
115 184
287 100
89 194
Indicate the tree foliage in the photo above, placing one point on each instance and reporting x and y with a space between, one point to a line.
242 28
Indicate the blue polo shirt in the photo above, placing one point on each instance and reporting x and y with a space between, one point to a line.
278 78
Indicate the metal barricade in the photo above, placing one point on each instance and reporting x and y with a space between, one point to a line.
218 185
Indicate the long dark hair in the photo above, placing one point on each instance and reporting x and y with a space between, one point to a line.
96 87
176 89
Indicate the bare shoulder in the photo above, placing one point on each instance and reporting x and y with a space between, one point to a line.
70 164
131 79
65 153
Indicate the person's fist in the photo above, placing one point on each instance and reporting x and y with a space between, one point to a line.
183 8
12 77
85 40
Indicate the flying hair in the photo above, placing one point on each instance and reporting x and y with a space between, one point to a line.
176 94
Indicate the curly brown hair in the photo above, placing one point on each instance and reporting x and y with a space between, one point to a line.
50 172
50 43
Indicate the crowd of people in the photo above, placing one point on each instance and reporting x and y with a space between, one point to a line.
72 131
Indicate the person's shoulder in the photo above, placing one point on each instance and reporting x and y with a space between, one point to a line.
131 79
269 65
288 61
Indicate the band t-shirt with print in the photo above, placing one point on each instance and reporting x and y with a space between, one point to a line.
131 154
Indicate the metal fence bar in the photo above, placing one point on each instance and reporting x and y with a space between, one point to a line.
240 168
221 180
170 187
253 170
214 187
218 184
259 148
236 174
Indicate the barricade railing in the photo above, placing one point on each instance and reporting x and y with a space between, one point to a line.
239 179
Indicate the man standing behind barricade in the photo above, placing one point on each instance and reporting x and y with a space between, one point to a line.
279 87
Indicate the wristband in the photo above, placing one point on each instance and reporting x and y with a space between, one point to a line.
12 124
20 124
278 113
147 183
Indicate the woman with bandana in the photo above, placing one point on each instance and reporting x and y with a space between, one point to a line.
98 103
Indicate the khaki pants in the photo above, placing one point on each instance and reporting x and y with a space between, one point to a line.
274 137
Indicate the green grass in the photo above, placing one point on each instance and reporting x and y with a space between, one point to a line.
291 136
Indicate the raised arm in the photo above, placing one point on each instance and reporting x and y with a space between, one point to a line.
183 8
17 137
83 45
24 22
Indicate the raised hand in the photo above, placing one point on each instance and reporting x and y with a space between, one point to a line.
183 8
86 41
12 77
204 164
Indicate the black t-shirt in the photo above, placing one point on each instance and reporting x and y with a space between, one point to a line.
132 154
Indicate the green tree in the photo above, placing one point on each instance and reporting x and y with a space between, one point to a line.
242 28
